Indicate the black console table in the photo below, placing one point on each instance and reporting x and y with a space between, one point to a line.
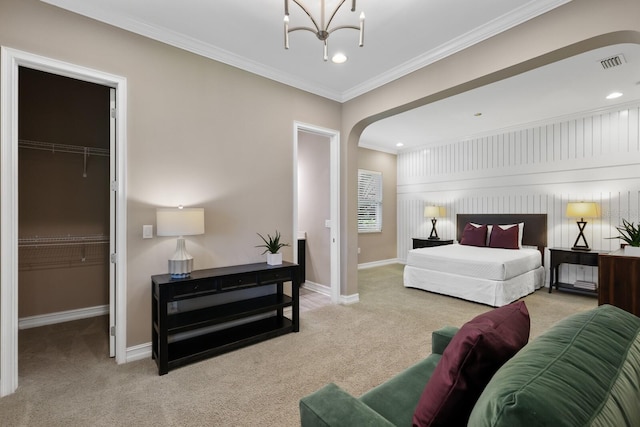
220 309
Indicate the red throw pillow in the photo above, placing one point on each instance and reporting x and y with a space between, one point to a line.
474 354
504 238
474 236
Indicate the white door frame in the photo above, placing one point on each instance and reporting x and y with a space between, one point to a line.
10 60
334 203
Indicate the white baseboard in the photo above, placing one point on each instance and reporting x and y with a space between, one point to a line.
138 352
62 316
316 287
349 299
326 290
378 263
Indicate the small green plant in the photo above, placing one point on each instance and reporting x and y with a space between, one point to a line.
271 244
629 233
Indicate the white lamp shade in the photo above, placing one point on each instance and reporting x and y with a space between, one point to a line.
582 210
180 222
432 211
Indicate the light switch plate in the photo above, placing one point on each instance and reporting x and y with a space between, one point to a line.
147 231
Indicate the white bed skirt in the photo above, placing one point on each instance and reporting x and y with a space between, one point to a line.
490 292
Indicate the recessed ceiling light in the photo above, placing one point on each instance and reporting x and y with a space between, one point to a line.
399 144
614 95
339 58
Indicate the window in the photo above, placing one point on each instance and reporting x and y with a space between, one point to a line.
369 201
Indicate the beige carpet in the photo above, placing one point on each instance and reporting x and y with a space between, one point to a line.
66 380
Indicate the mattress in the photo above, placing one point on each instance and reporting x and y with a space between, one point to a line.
492 264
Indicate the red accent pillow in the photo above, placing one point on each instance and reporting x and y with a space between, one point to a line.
474 236
474 354
504 238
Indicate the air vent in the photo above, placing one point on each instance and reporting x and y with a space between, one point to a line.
613 61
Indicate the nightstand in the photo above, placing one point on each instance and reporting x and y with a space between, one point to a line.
568 256
428 243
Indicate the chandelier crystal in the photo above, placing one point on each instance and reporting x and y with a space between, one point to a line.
322 28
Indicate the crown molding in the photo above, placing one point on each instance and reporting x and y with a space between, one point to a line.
530 10
492 28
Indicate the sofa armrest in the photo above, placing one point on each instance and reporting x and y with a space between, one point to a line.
441 338
332 406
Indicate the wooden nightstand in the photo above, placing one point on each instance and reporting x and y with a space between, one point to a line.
568 256
428 243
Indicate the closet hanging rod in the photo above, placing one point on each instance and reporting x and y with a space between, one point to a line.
62 148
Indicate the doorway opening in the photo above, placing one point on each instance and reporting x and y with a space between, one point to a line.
321 224
12 61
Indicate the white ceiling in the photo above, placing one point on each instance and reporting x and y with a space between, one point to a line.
572 86
400 37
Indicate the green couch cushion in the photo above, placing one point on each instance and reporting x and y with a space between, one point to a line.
583 371
332 406
397 398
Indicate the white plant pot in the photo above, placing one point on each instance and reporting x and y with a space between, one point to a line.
274 259
632 251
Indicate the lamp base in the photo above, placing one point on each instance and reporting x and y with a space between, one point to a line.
181 264
577 247
434 233
180 269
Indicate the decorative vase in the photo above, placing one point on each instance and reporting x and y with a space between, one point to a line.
632 251
274 259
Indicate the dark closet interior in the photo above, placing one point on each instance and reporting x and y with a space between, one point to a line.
63 184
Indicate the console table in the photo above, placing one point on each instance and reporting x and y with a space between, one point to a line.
568 256
220 309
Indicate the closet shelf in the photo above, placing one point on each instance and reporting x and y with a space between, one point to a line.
48 252
62 148
68 240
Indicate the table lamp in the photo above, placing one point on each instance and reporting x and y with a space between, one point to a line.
432 212
581 210
180 222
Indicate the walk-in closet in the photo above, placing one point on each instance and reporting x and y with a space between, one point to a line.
64 205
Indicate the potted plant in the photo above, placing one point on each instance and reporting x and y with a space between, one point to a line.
272 245
630 233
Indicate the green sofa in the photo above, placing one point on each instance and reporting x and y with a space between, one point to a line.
584 371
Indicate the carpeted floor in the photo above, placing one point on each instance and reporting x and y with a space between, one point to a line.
66 379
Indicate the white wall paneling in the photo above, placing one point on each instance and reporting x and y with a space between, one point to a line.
532 169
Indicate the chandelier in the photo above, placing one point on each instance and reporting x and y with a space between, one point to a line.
321 29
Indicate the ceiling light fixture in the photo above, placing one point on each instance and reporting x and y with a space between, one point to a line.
399 144
614 95
339 58
321 30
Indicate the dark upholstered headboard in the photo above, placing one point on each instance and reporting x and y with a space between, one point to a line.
533 234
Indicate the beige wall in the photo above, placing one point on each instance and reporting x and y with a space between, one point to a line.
314 205
200 133
573 28
380 246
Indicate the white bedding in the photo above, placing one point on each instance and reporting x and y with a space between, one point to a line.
473 261
489 276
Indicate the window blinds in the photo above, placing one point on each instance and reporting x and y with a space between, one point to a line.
369 201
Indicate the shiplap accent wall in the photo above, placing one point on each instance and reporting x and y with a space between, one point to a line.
532 169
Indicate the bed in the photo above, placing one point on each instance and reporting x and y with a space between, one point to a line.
486 275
